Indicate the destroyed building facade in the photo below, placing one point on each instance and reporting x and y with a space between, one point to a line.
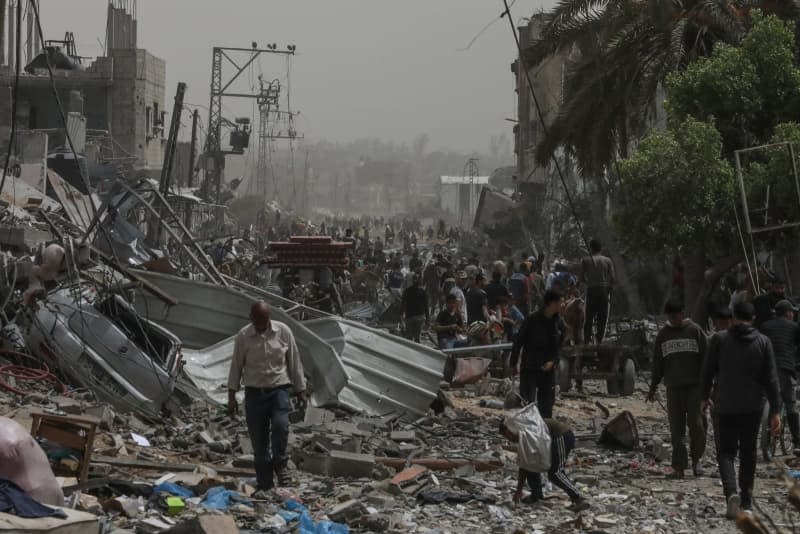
120 96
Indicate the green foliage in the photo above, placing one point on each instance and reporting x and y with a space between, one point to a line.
745 90
678 190
625 49
770 181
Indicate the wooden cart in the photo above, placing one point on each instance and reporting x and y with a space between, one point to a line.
616 364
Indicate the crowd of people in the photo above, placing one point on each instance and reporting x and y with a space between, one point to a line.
738 377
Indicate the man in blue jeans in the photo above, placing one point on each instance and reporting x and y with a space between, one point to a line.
266 361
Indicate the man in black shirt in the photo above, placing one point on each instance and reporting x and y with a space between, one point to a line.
449 324
784 333
496 289
415 309
765 304
540 339
477 301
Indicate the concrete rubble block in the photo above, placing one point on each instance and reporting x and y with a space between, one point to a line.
336 464
206 524
318 416
104 414
403 436
348 512
349 464
67 405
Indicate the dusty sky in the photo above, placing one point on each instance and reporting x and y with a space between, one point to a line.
364 68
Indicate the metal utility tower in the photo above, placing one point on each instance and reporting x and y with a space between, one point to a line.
268 102
220 83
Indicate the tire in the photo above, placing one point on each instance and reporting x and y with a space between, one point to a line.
628 381
563 378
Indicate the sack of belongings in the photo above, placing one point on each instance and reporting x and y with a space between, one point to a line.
534 438
23 462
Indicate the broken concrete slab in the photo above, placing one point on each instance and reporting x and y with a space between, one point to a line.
336 464
348 512
75 523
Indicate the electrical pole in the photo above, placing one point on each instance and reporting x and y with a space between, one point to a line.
172 140
193 149
306 211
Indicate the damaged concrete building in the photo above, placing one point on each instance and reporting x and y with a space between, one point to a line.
114 106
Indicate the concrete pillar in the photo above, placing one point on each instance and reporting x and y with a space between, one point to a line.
37 44
12 42
29 41
3 10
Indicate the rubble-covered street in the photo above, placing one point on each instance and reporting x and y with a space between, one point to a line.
445 473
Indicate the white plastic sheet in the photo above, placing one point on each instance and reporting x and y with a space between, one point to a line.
534 438
23 462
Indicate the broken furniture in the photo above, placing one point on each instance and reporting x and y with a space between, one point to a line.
75 433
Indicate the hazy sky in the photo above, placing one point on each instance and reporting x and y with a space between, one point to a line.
364 68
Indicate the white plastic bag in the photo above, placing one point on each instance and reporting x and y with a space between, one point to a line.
23 462
534 438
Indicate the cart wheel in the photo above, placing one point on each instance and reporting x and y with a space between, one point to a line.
564 379
628 377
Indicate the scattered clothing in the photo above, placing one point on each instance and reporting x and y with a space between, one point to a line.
14 500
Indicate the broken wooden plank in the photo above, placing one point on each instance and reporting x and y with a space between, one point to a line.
133 463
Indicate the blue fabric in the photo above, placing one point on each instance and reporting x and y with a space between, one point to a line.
220 498
174 489
267 414
309 526
14 500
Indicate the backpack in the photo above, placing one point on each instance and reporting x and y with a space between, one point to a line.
518 287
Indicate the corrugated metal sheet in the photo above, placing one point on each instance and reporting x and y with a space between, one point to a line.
208 315
387 373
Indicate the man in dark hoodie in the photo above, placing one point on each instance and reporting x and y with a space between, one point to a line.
539 339
680 348
741 368
784 333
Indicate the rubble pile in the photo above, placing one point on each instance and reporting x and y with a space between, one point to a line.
446 472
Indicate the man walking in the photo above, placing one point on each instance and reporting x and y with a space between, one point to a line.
266 360
784 334
741 368
679 351
765 304
496 290
597 272
477 301
414 311
539 339
458 291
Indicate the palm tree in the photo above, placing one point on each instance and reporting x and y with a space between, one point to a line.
625 49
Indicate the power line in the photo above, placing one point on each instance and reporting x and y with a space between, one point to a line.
540 114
